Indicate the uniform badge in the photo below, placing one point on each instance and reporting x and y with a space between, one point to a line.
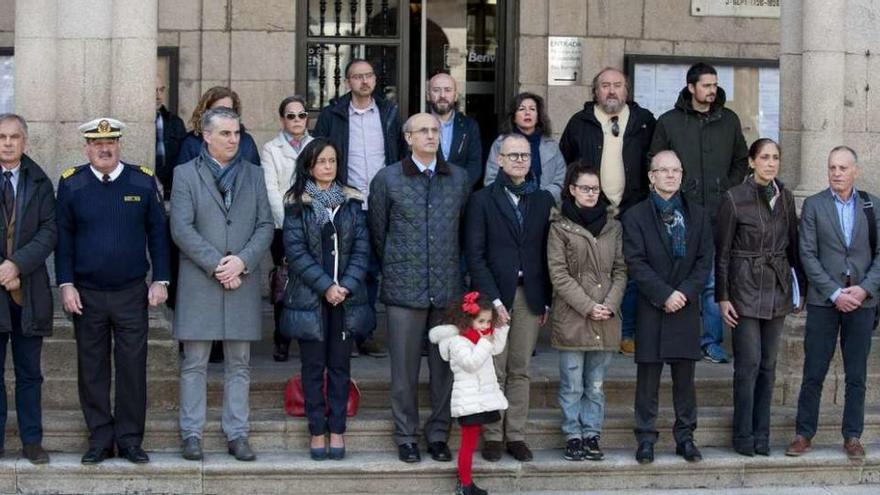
131 199
103 127
68 172
146 170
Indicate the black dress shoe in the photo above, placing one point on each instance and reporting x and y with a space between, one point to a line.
492 450
762 448
134 454
645 453
96 455
689 451
409 452
520 451
439 451
34 452
280 353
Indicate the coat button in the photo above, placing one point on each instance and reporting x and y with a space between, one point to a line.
333 253
599 286
229 222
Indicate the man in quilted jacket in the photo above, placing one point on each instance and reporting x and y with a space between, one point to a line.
414 210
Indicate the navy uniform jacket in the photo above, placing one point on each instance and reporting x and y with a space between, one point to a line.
104 229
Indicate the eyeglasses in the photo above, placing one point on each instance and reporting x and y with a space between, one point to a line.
426 131
293 116
615 126
667 171
362 77
517 157
588 189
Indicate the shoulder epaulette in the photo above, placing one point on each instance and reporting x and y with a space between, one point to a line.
68 172
146 170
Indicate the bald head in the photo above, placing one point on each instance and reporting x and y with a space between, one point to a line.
666 173
442 94
422 133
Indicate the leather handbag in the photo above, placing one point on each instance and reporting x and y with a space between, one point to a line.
295 402
278 283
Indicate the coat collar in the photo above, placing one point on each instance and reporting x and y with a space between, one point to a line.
411 169
349 192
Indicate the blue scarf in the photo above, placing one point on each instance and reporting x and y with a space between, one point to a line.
534 140
672 215
224 177
324 200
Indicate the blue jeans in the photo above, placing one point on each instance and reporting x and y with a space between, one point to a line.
581 397
26 353
628 311
713 330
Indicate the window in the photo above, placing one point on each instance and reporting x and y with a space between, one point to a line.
7 103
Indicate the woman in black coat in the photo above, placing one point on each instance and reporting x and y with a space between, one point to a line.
325 302
668 249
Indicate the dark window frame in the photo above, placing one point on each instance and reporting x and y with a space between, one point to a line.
173 54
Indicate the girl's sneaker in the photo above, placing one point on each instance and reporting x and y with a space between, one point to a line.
573 450
592 450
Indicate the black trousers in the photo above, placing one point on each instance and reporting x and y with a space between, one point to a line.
684 400
824 324
276 249
333 355
755 346
113 322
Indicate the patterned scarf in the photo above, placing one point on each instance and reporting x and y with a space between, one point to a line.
224 177
325 199
672 216
527 186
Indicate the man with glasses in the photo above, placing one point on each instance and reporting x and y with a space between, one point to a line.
614 136
366 129
708 139
459 134
506 248
415 207
667 242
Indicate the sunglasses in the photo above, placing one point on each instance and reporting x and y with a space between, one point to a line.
615 126
293 116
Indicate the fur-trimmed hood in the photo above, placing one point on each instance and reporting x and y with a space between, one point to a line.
349 192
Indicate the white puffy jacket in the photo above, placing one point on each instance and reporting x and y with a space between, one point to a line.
475 387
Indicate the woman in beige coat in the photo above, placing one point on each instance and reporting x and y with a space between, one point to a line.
585 258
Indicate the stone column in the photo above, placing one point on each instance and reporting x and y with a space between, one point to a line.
790 50
35 65
823 75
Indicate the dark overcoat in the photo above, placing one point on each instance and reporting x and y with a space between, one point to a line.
662 336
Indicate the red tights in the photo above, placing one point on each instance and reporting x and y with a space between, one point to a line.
469 437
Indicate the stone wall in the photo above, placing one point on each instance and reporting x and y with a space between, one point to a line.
249 45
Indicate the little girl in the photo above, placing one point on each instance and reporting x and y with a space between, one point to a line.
469 344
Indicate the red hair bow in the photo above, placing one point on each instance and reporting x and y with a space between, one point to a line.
470 305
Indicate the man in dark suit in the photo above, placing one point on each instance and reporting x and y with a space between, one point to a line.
843 276
28 211
667 242
109 214
170 132
459 134
506 248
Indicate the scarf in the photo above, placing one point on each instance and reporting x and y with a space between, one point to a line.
474 335
592 218
224 177
527 186
672 216
534 140
325 200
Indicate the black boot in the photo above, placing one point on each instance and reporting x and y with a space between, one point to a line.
471 489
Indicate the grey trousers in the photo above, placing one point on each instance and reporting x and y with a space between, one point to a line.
512 368
407 329
236 387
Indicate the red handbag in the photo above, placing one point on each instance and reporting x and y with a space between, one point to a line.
295 403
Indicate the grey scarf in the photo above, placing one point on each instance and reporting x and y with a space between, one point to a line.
324 199
224 177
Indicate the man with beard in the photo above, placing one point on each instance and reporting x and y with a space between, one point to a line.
708 139
459 134
366 130
614 136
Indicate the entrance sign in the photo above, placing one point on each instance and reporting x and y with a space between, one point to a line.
564 60
735 8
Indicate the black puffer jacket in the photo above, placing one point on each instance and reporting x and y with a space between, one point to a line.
308 281
711 148
583 138
414 223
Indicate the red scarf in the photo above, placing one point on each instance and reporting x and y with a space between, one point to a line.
474 336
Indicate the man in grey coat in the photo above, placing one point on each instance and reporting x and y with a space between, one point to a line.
222 223
414 213
843 276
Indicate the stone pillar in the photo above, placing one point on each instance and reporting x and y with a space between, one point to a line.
790 50
81 59
823 75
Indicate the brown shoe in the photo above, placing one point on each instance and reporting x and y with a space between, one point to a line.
34 452
799 446
492 450
520 451
854 449
627 347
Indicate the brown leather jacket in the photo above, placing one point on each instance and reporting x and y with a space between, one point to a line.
585 271
755 249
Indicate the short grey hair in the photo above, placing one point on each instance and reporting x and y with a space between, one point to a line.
846 148
209 117
407 126
18 118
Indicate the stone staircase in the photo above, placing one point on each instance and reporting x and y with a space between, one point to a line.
372 466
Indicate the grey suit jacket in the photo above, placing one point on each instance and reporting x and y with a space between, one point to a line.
205 232
825 256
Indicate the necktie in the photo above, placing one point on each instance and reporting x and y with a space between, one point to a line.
8 195
105 179
429 172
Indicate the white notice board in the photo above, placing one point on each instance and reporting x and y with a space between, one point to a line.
657 86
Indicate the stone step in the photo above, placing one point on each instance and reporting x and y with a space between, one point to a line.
293 473
371 429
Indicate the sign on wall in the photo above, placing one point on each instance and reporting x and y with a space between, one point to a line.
564 56
735 8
